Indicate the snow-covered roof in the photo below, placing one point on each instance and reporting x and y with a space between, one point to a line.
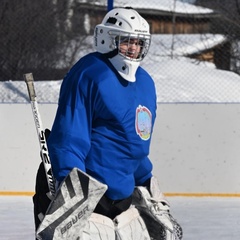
184 44
161 5
164 5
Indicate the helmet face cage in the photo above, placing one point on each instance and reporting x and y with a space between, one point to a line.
123 41
124 36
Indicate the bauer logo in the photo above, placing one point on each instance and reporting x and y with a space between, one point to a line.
143 122
74 220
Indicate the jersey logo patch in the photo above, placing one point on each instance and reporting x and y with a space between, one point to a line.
143 122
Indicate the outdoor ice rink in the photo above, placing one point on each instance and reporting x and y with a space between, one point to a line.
202 218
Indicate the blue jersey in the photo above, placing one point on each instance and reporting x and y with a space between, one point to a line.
103 125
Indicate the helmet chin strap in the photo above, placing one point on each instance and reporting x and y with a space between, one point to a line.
125 67
111 54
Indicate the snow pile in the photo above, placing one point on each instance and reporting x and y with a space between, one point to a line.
181 81
16 91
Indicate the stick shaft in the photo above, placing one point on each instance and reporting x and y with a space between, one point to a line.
40 132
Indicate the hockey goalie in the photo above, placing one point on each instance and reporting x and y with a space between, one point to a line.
99 144
72 214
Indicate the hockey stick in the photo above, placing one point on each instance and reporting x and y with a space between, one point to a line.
28 77
75 199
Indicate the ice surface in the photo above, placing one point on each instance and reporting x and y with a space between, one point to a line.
202 218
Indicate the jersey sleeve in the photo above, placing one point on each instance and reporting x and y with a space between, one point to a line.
69 141
143 172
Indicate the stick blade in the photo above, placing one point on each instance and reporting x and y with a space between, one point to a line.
28 78
71 207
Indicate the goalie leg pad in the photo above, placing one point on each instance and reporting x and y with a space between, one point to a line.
126 226
99 227
130 226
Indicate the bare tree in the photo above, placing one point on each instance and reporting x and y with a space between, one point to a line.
35 36
28 34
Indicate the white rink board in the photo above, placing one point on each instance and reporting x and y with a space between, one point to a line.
195 147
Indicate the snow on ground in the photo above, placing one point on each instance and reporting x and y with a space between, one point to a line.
176 81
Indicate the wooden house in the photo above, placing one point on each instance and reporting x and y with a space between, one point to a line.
160 21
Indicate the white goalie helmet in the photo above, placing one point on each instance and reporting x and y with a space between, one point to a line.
123 27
